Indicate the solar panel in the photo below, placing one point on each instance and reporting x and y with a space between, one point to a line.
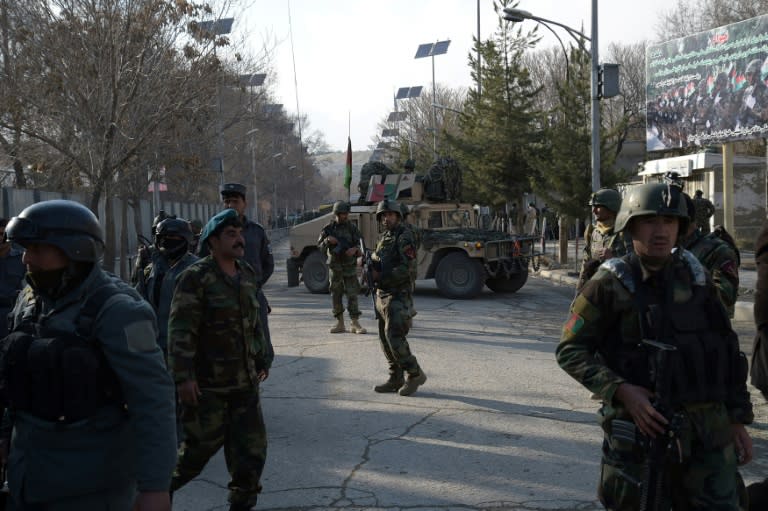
382 145
218 27
415 92
390 132
441 47
424 50
252 80
397 116
274 108
402 93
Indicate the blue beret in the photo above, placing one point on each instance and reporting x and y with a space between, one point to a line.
215 222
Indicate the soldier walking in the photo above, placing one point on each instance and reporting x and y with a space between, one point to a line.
601 242
218 356
650 337
108 429
340 240
394 259
704 211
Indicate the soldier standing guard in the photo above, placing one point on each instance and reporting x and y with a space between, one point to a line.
704 211
218 356
12 272
109 429
394 259
601 242
340 240
659 305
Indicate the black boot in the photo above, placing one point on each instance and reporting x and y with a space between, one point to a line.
393 384
413 382
758 495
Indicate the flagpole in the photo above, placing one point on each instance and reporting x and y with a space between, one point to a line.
349 155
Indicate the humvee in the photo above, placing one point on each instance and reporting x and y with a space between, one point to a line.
452 248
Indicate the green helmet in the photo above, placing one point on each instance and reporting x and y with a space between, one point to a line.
404 210
658 199
606 197
388 205
340 207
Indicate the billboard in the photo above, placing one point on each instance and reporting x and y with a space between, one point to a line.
708 88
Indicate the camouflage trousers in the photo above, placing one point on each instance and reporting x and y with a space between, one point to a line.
705 480
344 282
232 420
394 311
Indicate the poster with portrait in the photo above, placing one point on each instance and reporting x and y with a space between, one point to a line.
708 88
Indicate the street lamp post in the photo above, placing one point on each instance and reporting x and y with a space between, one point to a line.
517 15
430 50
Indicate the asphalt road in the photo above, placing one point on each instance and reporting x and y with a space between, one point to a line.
497 426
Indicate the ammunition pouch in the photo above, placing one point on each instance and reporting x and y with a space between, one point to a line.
341 247
61 378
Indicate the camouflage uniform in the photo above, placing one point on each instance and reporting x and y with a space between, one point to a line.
596 238
216 340
396 256
12 271
600 348
704 211
721 261
342 267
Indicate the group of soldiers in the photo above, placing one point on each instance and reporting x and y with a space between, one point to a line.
117 396
392 270
649 334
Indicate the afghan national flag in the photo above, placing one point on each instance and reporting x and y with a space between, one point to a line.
348 167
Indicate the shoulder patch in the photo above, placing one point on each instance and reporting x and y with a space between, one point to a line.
622 271
140 336
573 325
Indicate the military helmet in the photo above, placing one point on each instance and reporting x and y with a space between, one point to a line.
754 67
388 205
175 227
606 197
404 210
410 164
340 206
65 224
658 199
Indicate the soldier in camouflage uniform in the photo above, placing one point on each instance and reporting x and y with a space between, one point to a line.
394 259
601 242
218 355
704 211
717 256
754 108
340 240
661 295
12 271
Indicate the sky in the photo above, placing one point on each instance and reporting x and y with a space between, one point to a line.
351 56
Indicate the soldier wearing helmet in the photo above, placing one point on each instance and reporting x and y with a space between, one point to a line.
703 211
394 260
147 252
173 240
601 242
340 240
109 429
754 102
649 336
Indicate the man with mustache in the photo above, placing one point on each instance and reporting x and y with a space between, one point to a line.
218 355
652 321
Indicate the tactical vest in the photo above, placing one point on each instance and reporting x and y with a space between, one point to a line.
58 376
707 364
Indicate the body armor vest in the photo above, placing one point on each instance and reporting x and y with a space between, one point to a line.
706 365
58 376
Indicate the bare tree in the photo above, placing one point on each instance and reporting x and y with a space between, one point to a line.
691 16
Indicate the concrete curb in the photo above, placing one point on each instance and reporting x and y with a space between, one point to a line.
742 309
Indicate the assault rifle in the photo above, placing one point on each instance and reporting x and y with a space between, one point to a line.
666 449
368 281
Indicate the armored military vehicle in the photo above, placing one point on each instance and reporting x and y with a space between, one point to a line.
452 248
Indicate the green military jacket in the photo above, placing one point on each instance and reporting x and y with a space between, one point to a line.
604 315
348 236
214 333
396 250
721 260
597 238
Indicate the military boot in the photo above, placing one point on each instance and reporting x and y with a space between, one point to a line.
355 327
412 382
394 382
240 507
338 328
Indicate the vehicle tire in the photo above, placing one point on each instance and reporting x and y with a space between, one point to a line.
315 273
292 268
458 276
508 285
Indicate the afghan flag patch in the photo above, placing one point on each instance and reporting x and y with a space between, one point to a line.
574 324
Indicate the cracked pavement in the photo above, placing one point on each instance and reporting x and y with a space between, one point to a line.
498 426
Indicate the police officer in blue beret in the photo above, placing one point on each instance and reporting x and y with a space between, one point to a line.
258 251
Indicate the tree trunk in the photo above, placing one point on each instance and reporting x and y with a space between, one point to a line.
109 231
18 171
124 269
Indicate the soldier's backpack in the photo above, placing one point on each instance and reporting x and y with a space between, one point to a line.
720 232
